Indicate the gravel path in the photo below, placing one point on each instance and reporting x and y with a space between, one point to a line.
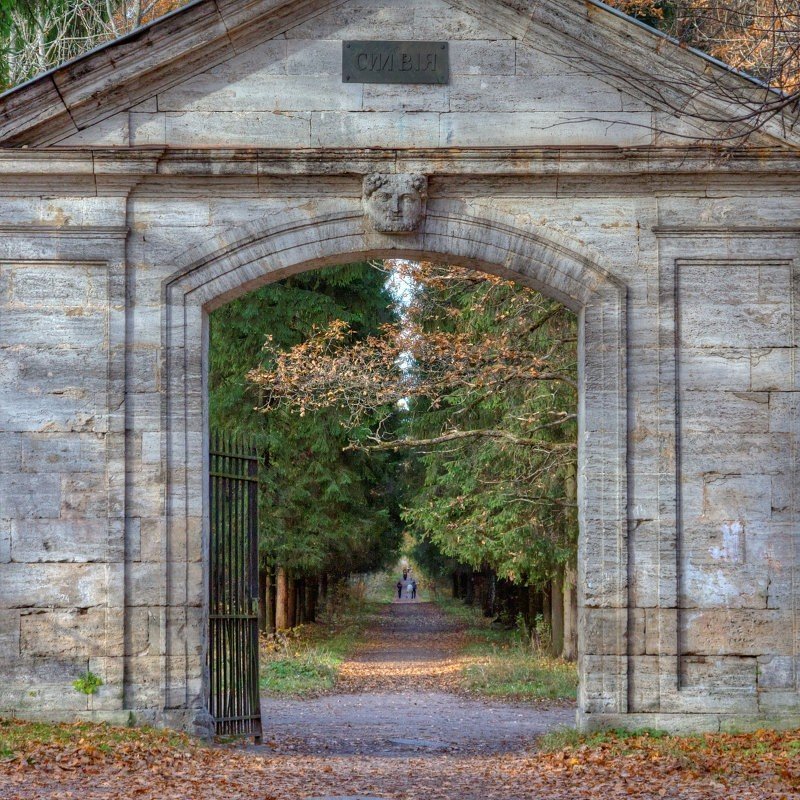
393 700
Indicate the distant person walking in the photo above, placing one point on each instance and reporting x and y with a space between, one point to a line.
399 590
413 590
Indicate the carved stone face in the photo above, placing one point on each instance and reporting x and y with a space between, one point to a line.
395 203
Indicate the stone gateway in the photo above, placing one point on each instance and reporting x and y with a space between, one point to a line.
219 149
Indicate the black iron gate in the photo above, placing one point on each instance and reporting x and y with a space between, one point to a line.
233 700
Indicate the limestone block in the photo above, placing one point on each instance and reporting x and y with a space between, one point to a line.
153 539
533 61
111 132
714 315
5 540
144 365
359 21
731 454
145 682
52 540
145 626
437 21
521 94
54 328
84 494
605 631
779 708
402 97
720 412
151 447
313 57
724 684
784 412
70 410
725 584
150 216
736 497
70 634
238 129
145 409
226 92
52 585
110 696
394 129
661 631
736 632
30 496
508 129
148 584
603 683
9 634
760 208
495 57
652 565
777 672
644 683
636 631
784 495
147 500
32 695
148 128
715 369
52 287
60 452
773 368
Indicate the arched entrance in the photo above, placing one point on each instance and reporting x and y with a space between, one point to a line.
248 257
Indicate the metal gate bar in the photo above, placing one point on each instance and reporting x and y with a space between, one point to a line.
234 699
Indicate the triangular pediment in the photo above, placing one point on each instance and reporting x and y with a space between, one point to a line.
266 73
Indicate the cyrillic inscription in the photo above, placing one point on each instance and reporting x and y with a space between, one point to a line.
395 62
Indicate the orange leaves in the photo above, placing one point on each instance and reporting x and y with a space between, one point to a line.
90 761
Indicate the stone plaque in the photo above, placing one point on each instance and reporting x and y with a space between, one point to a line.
395 62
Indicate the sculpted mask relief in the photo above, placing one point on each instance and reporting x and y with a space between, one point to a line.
395 203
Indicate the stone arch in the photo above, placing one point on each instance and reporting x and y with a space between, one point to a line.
246 257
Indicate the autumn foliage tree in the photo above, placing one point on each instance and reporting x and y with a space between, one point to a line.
761 37
477 385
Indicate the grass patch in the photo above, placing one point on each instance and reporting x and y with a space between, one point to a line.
503 663
306 660
19 738
571 738
763 755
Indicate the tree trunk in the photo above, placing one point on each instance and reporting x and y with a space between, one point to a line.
570 615
547 617
266 615
282 621
557 611
291 611
311 600
302 611
272 605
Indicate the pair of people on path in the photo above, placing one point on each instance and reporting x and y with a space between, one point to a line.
409 585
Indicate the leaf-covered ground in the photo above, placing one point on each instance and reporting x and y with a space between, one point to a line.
90 762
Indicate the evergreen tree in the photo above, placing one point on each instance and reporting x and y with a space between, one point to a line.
323 508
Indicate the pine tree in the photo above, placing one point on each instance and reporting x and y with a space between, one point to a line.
323 509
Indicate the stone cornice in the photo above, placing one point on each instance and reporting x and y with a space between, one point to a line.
119 163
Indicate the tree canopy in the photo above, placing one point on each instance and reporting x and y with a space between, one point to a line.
323 506
477 386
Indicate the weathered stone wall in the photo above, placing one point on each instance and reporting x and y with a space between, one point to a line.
288 92
683 268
